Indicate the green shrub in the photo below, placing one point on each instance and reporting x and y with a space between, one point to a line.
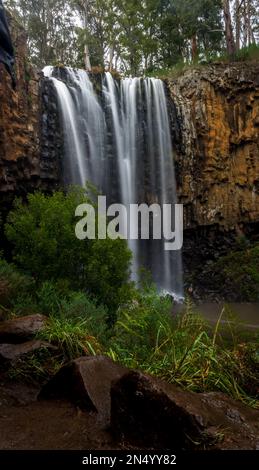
54 301
15 287
80 306
45 246
50 295
239 271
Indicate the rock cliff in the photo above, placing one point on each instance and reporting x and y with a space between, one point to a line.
22 167
215 129
216 141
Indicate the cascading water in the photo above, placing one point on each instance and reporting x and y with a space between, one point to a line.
83 126
119 139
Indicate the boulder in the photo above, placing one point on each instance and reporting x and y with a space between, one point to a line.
86 382
146 412
13 352
21 329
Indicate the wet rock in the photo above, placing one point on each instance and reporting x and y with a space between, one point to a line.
19 130
86 382
21 329
216 144
13 352
16 394
148 412
214 112
24 167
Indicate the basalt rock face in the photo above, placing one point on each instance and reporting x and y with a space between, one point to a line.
23 167
217 144
215 129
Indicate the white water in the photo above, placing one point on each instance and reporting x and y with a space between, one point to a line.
120 141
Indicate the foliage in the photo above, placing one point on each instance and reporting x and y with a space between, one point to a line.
239 271
179 349
248 53
14 286
36 368
45 246
148 335
136 36
50 25
71 336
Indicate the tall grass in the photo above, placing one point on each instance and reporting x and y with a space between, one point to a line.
182 350
148 335
71 336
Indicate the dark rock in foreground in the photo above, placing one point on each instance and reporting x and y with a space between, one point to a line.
13 352
146 413
86 382
151 413
21 329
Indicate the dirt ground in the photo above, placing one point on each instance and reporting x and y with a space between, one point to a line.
28 424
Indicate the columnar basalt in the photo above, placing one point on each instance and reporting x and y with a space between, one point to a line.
217 144
23 167
215 133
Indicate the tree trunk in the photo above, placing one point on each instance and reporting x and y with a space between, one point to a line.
238 24
231 47
194 48
88 66
111 57
246 26
250 34
248 31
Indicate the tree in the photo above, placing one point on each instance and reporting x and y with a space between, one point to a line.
135 36
231 47
248 7
83 7
51 30
238 22
45 246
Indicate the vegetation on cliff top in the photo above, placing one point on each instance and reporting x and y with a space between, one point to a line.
135 36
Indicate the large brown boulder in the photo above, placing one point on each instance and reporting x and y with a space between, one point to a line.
21 329
13 352
86 382
147 412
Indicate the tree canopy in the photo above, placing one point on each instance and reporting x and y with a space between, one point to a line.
133 36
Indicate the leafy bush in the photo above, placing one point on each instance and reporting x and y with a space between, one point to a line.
80 306
50 295
15 287
239 271
45 246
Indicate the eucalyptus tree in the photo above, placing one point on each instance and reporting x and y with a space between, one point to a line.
50 26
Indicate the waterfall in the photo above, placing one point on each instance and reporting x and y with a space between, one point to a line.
83 126
118 137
